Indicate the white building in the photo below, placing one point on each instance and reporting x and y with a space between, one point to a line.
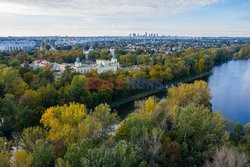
88 52
107 65
101 66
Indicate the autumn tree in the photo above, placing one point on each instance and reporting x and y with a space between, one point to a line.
197 93
64 122
72 123
228 157
22 159
5 147
31 135
99 123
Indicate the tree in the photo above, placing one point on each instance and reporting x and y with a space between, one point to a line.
31 135
42 155
223 55
71 123
7 75
199 132
5 145
100 123
47 74
238 132
134 127
197 93
5 155
244 52
247 128
8 110
228 157
151 147
25 118
61 163
28 77
38 82
48 96
144 59
78 150
201 66
122 154
5 159
64 122
30 99
1 89
17 87
78 88
22 159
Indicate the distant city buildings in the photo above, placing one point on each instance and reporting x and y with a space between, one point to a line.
149 35
15 46
148 42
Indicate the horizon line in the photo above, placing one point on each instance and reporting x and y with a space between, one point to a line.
141 35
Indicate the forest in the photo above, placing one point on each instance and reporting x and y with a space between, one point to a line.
59 122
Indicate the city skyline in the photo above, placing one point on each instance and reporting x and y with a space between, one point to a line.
123 17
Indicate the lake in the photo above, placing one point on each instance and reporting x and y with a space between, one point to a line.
230 89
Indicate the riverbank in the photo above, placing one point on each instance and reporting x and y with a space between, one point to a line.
137 97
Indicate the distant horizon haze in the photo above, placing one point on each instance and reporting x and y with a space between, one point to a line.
197 18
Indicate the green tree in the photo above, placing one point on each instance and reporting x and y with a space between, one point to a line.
42 155
78 89
8 110
28 77
199 132
122 154
100 123
5 155
133 127
17 87
1 89
30 99
237 134
31 135
48 96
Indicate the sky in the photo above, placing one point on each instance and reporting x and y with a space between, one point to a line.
122 17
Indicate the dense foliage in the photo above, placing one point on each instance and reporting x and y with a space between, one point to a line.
59 122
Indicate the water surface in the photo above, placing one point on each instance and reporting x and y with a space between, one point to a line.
230 88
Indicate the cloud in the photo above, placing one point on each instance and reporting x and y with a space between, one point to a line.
245 18
110 8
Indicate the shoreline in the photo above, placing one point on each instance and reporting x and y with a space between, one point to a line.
137 97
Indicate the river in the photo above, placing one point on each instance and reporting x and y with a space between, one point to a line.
230 90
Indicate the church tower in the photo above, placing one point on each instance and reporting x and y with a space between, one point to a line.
114 58
78 62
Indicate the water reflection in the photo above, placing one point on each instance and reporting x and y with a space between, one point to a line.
230 88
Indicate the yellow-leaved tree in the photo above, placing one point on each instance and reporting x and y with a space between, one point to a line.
197 93
72 123
63 122
22 159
